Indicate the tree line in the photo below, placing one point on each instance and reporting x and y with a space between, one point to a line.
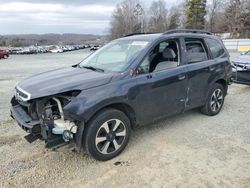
228 16
48 39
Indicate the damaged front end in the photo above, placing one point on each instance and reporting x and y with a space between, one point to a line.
44 118
241 73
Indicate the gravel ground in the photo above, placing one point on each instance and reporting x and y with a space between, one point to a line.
188 150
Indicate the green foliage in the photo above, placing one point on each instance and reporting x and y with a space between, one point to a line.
195 14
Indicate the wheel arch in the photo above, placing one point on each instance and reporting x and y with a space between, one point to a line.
223 82
123 107
220 81
206 109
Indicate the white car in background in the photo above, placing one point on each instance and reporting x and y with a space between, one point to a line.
56 50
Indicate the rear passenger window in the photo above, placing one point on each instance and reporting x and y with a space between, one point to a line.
196 51
215 47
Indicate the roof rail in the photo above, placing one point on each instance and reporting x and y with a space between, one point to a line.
187 31
131 34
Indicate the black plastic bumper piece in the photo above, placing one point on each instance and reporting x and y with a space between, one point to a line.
31 138
37 129
24 120
55 142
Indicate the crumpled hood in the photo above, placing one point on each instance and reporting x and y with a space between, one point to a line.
62 80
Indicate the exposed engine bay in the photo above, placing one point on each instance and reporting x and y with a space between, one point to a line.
44 118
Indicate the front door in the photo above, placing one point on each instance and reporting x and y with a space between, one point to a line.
161 83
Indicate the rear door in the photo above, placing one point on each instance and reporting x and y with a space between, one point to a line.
218 52
199 65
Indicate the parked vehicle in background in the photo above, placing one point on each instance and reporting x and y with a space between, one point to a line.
56 50
241 68
245 53
4 54
14 50
27 51
35 49
94 48
131 81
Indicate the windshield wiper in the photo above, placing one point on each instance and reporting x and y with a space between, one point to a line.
93 68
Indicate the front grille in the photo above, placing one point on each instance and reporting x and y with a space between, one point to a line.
21 94
244 66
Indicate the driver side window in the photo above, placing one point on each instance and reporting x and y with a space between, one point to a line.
164 56
144 66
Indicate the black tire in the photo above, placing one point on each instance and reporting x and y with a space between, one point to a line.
96 131
5 56
215 100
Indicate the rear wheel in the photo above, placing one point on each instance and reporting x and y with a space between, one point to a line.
5 56
215 100
107 134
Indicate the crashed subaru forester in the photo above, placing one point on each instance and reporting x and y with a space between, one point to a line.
131 81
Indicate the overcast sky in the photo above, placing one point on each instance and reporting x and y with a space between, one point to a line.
58 16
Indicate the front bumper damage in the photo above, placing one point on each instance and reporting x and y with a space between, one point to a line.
44 130
241 73
36 129
24 120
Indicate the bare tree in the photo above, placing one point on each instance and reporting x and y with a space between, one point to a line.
216 16
245 19
158 21
212 11
175 16
124 20
182 19
222 16
237 16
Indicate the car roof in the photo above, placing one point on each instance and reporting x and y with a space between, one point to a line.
144 37
198 35
152 37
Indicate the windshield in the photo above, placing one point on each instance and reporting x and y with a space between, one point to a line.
115 56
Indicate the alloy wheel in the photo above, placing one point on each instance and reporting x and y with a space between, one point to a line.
110 136
216 100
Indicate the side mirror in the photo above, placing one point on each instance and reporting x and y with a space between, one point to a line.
140 71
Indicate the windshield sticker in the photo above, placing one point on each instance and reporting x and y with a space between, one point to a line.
139 43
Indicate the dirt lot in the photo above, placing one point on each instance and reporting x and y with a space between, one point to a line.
188 150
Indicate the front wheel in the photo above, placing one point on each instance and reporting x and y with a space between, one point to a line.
215 100
107 134
5 56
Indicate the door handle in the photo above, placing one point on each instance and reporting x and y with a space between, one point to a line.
208 69
181 76
211 68
149 76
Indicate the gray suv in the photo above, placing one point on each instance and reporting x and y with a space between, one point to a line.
131 81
